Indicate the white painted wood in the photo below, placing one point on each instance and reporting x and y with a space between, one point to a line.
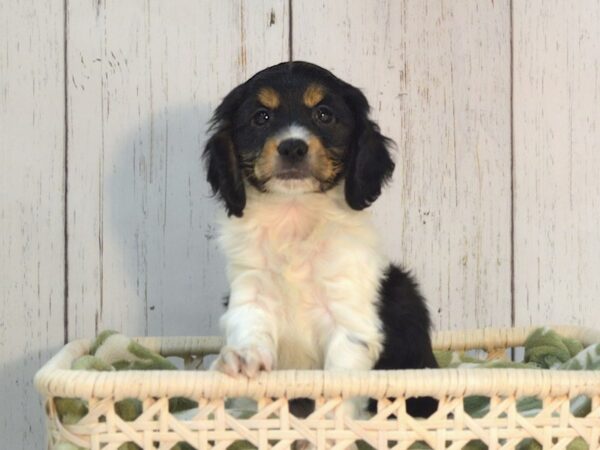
31 210
438 77
557 161
143 80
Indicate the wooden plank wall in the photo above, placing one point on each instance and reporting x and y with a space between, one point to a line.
143 80
32 144
495 107
437 75
557 161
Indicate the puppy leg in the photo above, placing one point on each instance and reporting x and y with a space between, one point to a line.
406 325
345 351
251 336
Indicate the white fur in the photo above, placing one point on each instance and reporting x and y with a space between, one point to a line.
304 271
292 186
294 131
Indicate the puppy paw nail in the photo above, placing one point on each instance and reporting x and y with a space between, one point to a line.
246 361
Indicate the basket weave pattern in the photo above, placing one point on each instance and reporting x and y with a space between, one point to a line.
273 426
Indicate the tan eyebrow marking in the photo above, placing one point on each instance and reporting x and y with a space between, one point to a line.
268 97
313 94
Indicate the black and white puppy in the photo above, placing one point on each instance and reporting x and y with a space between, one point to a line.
295 160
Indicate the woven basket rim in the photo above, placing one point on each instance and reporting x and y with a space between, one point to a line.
55 379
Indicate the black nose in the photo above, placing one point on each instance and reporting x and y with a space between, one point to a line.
293 149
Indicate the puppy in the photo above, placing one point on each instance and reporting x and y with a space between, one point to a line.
295 160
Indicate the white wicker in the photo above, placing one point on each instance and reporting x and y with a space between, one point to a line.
274 427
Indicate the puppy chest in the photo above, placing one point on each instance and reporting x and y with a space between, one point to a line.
298 343
314 274
310 263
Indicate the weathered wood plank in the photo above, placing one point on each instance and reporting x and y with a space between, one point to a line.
438 77
557 161
31 210
143 80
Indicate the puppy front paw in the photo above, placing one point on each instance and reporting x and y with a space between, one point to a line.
248 361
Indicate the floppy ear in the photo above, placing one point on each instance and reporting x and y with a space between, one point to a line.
221 160
370 165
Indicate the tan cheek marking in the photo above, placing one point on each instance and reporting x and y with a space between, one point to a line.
321 163
313 95
265 164
269 98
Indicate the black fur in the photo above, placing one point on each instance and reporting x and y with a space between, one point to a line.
370 165
234 146
406 326
221 157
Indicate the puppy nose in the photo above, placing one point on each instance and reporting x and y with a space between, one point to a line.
294 149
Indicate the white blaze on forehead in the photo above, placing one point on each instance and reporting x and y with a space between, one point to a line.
294 131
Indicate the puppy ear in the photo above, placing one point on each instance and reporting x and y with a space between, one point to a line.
223 169
370 164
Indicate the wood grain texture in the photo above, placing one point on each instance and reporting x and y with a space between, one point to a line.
437 75
557 161
31 210
143 80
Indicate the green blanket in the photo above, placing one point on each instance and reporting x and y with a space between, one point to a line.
544 349
112 351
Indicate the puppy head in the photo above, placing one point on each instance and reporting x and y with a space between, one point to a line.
296 128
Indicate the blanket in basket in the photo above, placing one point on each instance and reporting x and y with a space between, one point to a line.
544 349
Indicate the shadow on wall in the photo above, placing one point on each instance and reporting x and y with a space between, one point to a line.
25 416
163 273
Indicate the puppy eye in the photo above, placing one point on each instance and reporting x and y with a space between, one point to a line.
323 114
261 117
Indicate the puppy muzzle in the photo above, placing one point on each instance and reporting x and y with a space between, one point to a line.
292 163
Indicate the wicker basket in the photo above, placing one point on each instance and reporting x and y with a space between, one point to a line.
274 427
